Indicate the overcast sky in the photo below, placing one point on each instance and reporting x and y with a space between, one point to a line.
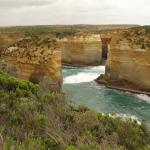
42 12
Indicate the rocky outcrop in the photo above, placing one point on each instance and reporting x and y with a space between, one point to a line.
34 59
127 69
81 49
128 66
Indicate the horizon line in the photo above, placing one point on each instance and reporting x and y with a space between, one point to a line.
125 24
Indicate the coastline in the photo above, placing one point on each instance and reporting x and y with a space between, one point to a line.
119 86
80 65
127 90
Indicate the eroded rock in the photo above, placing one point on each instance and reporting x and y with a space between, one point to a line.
81 49
35 59
128 63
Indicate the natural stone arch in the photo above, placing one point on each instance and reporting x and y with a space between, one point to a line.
105 47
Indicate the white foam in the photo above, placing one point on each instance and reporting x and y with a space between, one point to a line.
144 97
98 67
80 77
87 75
125 117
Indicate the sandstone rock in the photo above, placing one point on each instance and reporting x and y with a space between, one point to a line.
131 65
81 49
37 60
128 64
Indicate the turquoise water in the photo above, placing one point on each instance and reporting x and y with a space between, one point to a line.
81 89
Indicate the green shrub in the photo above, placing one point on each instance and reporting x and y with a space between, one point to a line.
83 108
29 143
41 121
71 148
86 121
10 83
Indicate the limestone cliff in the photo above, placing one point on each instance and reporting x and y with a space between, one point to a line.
34 59
81 49
128 63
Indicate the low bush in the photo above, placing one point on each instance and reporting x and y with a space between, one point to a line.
31 120
10 83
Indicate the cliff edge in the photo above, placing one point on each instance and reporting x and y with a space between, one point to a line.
128 63
35 59
81 49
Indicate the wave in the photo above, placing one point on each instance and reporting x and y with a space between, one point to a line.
143 97
69 67
98 68
125 117
87 74
80 77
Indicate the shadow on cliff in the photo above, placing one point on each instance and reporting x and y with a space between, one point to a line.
46 83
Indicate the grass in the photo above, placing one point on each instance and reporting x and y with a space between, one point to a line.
32 120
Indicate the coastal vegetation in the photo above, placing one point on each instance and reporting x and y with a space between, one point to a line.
33 120
139 36
59 30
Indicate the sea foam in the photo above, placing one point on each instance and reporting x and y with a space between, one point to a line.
88 74
80 77
143 97
125 117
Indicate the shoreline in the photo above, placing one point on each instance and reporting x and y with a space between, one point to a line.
121 88
127 90
81 65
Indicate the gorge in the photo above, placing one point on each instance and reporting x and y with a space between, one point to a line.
125 52
127 69
63 106
82 90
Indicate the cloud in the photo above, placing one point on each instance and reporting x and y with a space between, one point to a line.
33 12
24 3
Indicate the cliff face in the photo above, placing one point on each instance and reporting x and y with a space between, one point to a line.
133 66
81 49
39 64
128 64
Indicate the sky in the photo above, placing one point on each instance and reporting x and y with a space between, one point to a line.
46 12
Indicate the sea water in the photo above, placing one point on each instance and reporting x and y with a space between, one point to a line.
79 85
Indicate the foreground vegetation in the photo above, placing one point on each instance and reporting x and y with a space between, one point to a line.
33 120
